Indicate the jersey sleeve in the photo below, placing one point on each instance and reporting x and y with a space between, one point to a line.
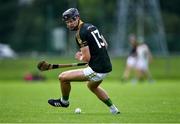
83 34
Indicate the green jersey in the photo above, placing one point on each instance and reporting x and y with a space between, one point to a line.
89 35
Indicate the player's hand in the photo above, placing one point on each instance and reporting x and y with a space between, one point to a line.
78 55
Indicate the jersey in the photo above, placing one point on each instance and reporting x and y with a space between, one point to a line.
143 53
89 35
133 52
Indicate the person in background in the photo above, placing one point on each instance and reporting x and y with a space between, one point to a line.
131 59
144 57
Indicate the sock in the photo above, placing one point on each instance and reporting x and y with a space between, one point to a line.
64 100
112 106
108 102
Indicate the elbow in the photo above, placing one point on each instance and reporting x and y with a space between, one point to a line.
86 59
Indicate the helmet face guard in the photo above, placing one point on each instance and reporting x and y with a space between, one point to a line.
71 13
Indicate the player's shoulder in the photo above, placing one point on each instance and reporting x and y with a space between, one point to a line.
86 27
143 47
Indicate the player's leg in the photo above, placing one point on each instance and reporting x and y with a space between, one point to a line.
65 78
139 74
126 73
148 75
143 72
68 76
130 65
94 80
97 90
102 95
140 70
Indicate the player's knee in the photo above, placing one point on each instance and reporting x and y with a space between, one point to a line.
91 87
62 77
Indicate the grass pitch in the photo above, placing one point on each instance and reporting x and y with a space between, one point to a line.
139 103
26 102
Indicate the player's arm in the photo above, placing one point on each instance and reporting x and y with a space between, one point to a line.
83 54
149 54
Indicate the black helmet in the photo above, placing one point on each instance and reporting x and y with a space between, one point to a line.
71 13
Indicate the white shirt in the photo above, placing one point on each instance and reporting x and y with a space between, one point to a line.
143 53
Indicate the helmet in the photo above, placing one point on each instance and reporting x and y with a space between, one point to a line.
71 13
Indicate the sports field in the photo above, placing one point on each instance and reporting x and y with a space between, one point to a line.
26 102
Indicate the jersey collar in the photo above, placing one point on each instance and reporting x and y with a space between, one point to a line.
80 24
